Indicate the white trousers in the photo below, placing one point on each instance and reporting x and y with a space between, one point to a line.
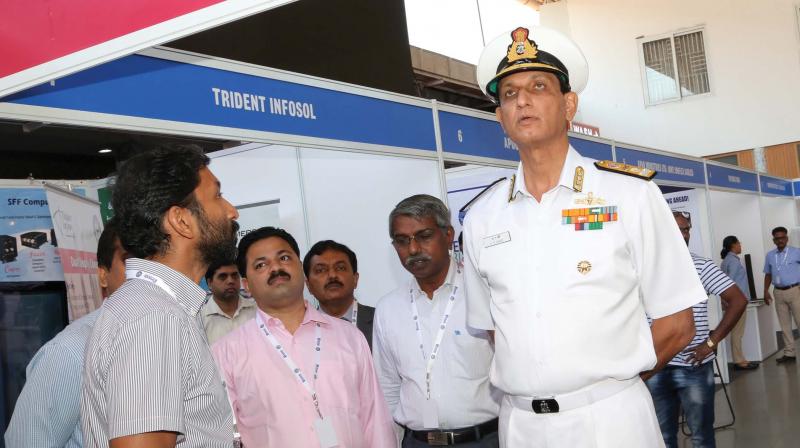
624 420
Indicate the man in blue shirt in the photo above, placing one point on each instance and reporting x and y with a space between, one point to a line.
47 412
782 270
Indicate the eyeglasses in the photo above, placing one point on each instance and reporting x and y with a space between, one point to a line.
422 237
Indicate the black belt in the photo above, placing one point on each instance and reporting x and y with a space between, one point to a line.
784 288
455 436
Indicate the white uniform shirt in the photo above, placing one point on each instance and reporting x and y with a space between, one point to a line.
460 376
558 329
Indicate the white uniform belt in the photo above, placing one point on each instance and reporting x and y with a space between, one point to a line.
573 400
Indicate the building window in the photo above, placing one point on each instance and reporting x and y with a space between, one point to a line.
730 160
673 66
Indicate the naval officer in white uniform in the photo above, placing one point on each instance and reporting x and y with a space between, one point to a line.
564 262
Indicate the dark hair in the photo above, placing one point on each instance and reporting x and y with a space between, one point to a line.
779 229
212 269
256 236
321 246
105 245
727 244
147 186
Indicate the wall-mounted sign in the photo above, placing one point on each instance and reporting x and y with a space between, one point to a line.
472 136
720 176
585 129
148 87
773 185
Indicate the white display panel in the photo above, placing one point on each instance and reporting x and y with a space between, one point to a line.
264 173
348 199
465 182
739 214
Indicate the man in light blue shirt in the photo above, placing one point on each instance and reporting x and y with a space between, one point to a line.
47 413
782 270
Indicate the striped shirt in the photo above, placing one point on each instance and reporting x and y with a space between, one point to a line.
715 282
47 413
149 368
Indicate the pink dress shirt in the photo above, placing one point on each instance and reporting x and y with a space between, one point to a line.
274 410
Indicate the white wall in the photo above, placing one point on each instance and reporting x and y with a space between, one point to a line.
348 199
753 54
331 194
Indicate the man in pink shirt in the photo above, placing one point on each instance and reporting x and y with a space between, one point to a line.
295 376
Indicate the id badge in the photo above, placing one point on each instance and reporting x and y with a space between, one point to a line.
430 415
325 433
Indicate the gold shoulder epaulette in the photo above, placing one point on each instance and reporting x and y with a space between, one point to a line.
629 170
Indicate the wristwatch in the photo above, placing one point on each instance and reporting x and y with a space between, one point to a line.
710 343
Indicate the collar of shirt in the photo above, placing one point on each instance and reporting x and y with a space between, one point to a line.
573 160
211 306
312 315
187 292
348 315
449 281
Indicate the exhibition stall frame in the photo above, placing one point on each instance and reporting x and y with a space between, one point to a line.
313 129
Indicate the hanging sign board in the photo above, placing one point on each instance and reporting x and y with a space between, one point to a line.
668 168
44 40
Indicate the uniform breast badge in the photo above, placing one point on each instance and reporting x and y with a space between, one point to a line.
590 199
584 267
591 218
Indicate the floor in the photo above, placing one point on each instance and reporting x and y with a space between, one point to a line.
766 402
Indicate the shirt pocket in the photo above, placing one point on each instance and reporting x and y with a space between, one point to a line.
473 353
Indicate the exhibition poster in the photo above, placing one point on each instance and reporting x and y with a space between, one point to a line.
28 244
77 225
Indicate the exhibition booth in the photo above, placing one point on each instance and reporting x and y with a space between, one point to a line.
328 160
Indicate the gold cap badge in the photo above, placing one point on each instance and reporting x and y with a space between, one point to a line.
522 47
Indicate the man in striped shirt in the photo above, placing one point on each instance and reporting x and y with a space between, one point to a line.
688 380
149 379
47 413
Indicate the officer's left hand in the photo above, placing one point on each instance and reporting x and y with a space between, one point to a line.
701 352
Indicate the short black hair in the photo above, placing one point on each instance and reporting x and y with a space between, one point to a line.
256 236
105 245
325 245
779 229
212 269
147 185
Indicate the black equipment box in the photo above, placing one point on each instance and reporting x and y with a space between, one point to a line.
33 240
53 237
8 248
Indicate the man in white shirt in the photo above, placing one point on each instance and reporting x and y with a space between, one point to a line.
225 309
433 369
565 261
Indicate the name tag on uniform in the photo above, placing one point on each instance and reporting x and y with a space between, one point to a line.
494 240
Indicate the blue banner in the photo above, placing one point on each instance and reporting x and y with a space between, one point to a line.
796 185
668 168
773 185
463 134
28 250
591 149
720 176
147 87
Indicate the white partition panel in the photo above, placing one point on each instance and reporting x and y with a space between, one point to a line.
257 173
739 214
465 182
349 197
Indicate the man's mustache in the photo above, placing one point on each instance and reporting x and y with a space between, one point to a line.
334 282
276 274
415 258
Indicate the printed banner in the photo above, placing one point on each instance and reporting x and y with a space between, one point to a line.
257 215
27 242
686 201
77 225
